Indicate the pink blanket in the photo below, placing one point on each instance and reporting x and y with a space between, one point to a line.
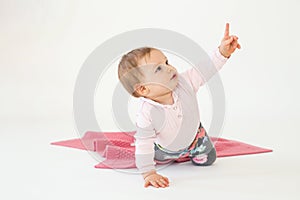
118 150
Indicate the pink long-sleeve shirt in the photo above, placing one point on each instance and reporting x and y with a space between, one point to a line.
174 127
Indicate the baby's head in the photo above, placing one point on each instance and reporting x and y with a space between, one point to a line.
145 72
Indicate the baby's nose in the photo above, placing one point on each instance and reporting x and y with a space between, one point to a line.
169 69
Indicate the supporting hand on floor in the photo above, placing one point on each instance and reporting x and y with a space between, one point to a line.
156 180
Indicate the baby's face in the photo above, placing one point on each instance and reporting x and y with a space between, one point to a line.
159 76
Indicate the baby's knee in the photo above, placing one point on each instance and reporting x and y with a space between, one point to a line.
212 157
205 160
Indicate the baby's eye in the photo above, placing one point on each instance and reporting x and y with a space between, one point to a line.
167 62
158 69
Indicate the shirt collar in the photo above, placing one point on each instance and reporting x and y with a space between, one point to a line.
175 98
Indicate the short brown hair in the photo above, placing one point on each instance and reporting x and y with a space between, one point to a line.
128 70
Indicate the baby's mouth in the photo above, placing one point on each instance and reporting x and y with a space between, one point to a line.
174 76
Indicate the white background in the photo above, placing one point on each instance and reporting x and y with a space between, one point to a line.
43 45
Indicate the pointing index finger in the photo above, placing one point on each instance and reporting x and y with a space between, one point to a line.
226 33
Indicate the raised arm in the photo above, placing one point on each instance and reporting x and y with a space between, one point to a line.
218 57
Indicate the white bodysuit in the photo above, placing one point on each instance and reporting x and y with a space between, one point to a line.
173 127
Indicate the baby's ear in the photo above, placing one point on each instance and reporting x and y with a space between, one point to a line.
141 89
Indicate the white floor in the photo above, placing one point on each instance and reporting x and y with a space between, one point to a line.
31 168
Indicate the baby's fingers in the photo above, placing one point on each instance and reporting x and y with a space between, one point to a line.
228 41
147 183
165 180
162 183
235 44
155 184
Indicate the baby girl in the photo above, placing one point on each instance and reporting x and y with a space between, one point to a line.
168 123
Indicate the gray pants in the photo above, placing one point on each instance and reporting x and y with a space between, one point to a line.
201 151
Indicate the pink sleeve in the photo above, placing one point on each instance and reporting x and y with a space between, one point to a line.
195 78
144 140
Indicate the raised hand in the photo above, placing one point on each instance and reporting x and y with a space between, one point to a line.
229 43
